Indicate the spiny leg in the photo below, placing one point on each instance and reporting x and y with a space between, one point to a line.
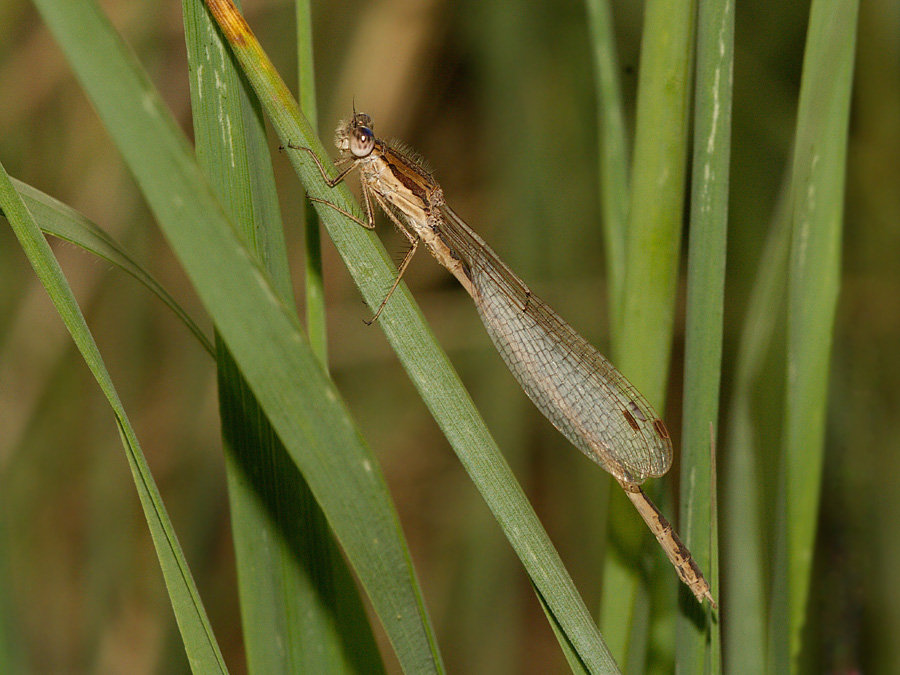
368 226
370 218
330 181
369 223
413 245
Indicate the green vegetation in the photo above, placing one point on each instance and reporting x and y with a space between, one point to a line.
326 516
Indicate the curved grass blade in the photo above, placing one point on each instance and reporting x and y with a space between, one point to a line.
261 331
199 642
301 609
64 222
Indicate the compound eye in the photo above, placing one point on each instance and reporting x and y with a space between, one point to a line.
362 141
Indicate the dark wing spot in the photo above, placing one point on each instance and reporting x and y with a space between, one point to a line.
661 430
631 421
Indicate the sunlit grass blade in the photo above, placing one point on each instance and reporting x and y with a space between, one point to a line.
426 364
697 645
261 331
301 611
641 342
817 196
200 644
613 151
642 347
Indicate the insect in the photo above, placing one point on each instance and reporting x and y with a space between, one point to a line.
573 384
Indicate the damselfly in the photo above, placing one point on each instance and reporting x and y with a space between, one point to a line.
575 386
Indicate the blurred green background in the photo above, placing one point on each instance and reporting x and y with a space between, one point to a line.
500 99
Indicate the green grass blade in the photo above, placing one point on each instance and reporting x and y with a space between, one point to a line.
314 286
743 489
64 222
199 642
817 191
620 580
697 640
613 151
423 359
575 664
642 342
643 345
259 329
301 610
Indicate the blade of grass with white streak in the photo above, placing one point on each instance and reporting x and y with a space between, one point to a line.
427 365
200 644
697 635
817 187
262 333
300 607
